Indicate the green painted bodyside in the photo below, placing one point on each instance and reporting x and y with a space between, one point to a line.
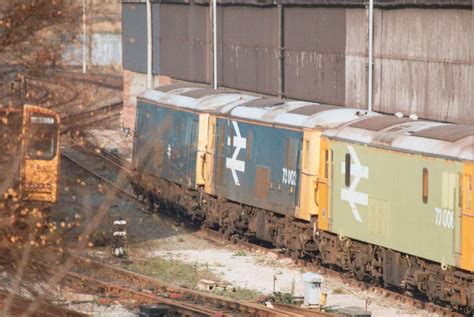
395 215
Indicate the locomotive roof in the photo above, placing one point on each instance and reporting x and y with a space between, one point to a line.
355 125
414 136
229 103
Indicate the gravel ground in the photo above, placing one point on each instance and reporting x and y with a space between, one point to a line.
112 141
255 270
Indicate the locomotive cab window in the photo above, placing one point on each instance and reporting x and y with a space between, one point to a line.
326 164
348 170
42 137
425 185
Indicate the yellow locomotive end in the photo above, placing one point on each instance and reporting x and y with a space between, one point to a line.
40 154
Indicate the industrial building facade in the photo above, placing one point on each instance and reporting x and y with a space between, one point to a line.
315 50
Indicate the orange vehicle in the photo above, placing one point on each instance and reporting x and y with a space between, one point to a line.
29 160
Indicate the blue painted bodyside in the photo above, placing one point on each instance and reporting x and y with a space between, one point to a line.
257 165
166 143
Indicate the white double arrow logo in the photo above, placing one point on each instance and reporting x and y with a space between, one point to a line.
349 194
233 163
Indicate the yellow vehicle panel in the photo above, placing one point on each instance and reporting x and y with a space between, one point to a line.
467 219
324 184
309 176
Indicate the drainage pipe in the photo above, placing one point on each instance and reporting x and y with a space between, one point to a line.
149 74
214 42
371 55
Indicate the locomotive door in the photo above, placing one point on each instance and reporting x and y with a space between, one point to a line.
467 219
208 169
40 154
322 186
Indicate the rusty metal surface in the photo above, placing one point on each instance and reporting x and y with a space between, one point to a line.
248 48
312 109
202 92
264 102
171 87
378 123
449 133
184 42
315 57
262 182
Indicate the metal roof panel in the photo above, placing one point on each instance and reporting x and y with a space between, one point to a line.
447 132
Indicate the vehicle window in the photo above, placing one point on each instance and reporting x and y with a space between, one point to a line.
425 185
326 163
42 137
212 135
306 154
348 170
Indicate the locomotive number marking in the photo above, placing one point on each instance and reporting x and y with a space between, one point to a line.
444 218
168 152
289 177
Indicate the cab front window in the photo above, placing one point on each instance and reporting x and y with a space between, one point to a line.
42 137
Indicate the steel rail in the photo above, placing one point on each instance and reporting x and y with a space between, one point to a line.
145 282
140 297
105 180
95 150
19 304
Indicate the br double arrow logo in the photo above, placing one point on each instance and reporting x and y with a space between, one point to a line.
350 194
233 163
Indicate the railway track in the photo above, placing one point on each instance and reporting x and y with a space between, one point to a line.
87 118
142 289
18 305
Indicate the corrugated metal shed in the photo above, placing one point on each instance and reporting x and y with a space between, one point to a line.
184 39
134 37
422 55
315 56
248 48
